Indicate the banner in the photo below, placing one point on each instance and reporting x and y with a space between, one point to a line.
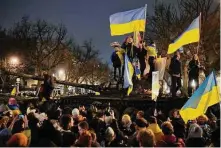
155 85
160 66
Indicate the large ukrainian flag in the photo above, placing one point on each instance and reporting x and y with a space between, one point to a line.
205 96
191 35
129 21
128 74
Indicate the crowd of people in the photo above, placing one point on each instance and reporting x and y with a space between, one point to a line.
46 124
139 54
143 57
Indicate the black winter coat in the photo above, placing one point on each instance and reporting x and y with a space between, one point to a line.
175 66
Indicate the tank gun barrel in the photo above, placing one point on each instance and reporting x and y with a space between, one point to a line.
39 78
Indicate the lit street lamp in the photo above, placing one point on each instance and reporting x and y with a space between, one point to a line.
14 61
61 74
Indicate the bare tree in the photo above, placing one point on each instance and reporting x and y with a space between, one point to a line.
44 44
83 64
170 21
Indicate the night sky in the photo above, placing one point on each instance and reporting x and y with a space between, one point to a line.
84 19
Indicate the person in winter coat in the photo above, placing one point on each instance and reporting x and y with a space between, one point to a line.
202 121
178 124
140 124
68 138
146 138
195 136
48 86
175 70
110 138
142 53
194 66
152 54
155 128
130 48
117 58
127 126
168 139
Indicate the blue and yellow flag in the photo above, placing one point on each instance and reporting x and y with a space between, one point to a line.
138 72
191 35
205 96
14 91
128 74
151 50
137 38
129 21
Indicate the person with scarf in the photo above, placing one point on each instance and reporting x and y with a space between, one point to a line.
130 48
152 54
117 58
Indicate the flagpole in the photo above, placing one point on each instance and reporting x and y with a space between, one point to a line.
145 12
200 19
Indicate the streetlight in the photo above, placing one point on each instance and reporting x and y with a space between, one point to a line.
14 61
61 74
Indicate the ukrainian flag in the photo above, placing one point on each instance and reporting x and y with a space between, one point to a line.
151 50
137 38
129 21
128 74
191 35
138 72
205 96
13 92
